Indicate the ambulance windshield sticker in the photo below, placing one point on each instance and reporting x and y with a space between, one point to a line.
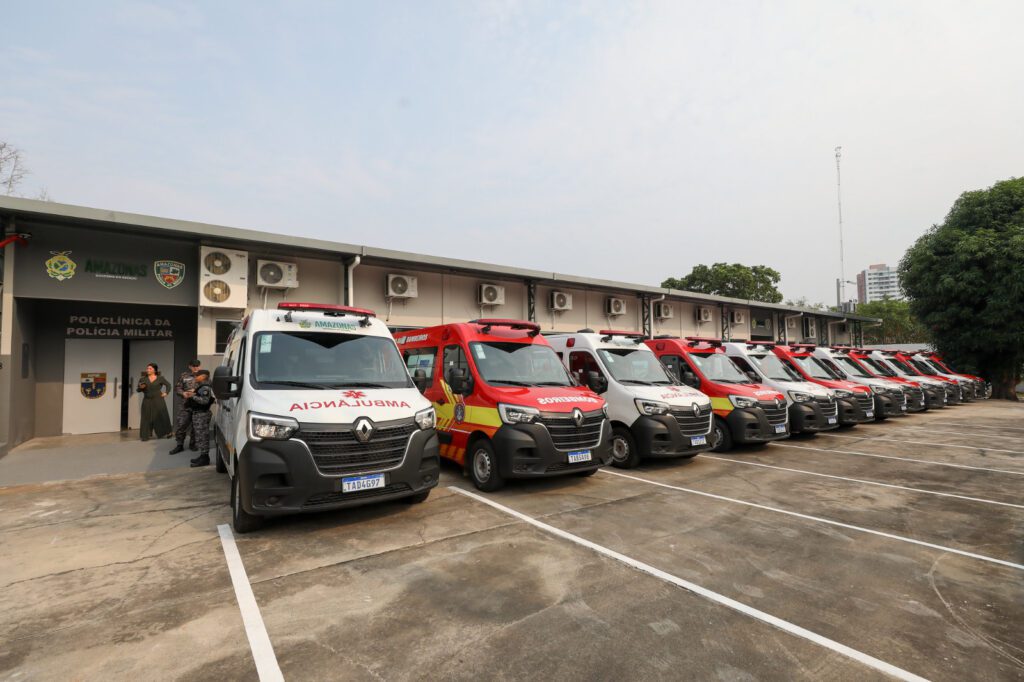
265 342
479 350
60 267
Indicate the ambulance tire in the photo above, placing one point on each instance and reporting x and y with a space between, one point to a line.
624 452
720 436
483 467
219 464
241 520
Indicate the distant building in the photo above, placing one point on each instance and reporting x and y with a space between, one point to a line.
877 282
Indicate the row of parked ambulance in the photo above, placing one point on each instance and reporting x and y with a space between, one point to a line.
319 407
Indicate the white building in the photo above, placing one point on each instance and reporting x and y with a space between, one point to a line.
877 282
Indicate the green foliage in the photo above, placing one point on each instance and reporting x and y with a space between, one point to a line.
755 283
804 302
965 282
898 324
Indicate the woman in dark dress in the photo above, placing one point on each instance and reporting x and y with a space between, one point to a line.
153 388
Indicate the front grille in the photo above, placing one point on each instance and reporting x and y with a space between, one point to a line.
830 408
336 450
915 396
567 436
330 498
565 466
775 415
691 424
866 402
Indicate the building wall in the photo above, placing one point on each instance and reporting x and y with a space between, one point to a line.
23 376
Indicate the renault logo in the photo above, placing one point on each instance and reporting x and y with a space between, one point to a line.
577 416
363 428
778 403
696 409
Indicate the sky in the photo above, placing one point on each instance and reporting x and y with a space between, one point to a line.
627 141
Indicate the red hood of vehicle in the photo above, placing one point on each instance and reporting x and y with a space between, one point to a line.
547 398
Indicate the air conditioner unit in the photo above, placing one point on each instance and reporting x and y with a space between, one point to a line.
738 317
561 301
663 311
276 275
401 286
791 322
810 328
614 306
491 294
223 278
704 314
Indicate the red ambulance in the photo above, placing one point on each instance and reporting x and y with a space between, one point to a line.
745 412
506 405
856 403
983 388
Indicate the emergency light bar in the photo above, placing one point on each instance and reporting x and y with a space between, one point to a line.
532 327
696 340
607 334
325 308
805 346
763 344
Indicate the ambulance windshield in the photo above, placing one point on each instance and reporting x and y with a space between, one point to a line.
518 364
325 360
718 367
814 367
775 369
851 366
633 366
881 367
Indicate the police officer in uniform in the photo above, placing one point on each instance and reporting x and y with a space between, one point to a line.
199 408
183 389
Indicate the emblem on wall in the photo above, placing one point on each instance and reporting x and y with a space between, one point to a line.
169 273
94 384
60 266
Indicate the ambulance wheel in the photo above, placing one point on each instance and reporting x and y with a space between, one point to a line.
221 467
483 467
241 520
624 452
417 498
721 439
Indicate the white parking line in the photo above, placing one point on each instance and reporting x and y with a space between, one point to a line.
818 519
902 459
861 480
721 599
920 442
262 650
979 426
929 429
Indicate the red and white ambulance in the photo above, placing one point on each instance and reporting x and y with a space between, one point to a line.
982 389
506 406
898 365
887 393
745 411
856 404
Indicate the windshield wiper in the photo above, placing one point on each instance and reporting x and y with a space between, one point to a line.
550 383
510 382
299 384
359 384
635 381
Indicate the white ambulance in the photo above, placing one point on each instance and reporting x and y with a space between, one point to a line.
652 413
812 407
316 410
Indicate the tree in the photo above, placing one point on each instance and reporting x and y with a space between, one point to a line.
965 282
12 168
804 302
898 323
755 283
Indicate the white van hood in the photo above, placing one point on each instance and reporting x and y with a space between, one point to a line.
676 396
803 387
340 406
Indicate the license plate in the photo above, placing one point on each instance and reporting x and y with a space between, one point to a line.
579 456
698 440
869 414
354 484
780 428
903 408
831 420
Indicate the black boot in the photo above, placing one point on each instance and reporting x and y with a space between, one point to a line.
192 446
177 448
201 461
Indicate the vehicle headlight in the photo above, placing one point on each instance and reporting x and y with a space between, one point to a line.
742 401
426 419
651 407
843 393
269 427
518 414
798 397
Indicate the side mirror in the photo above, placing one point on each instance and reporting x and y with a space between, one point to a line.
419 377
596 382
225 385
459 381
690 379
752 375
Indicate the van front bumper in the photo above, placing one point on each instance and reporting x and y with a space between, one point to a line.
751 425
279 477
659 436
527 451
935 397
809 418
851 412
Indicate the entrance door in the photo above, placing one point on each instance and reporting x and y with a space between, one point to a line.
140 354
92 391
